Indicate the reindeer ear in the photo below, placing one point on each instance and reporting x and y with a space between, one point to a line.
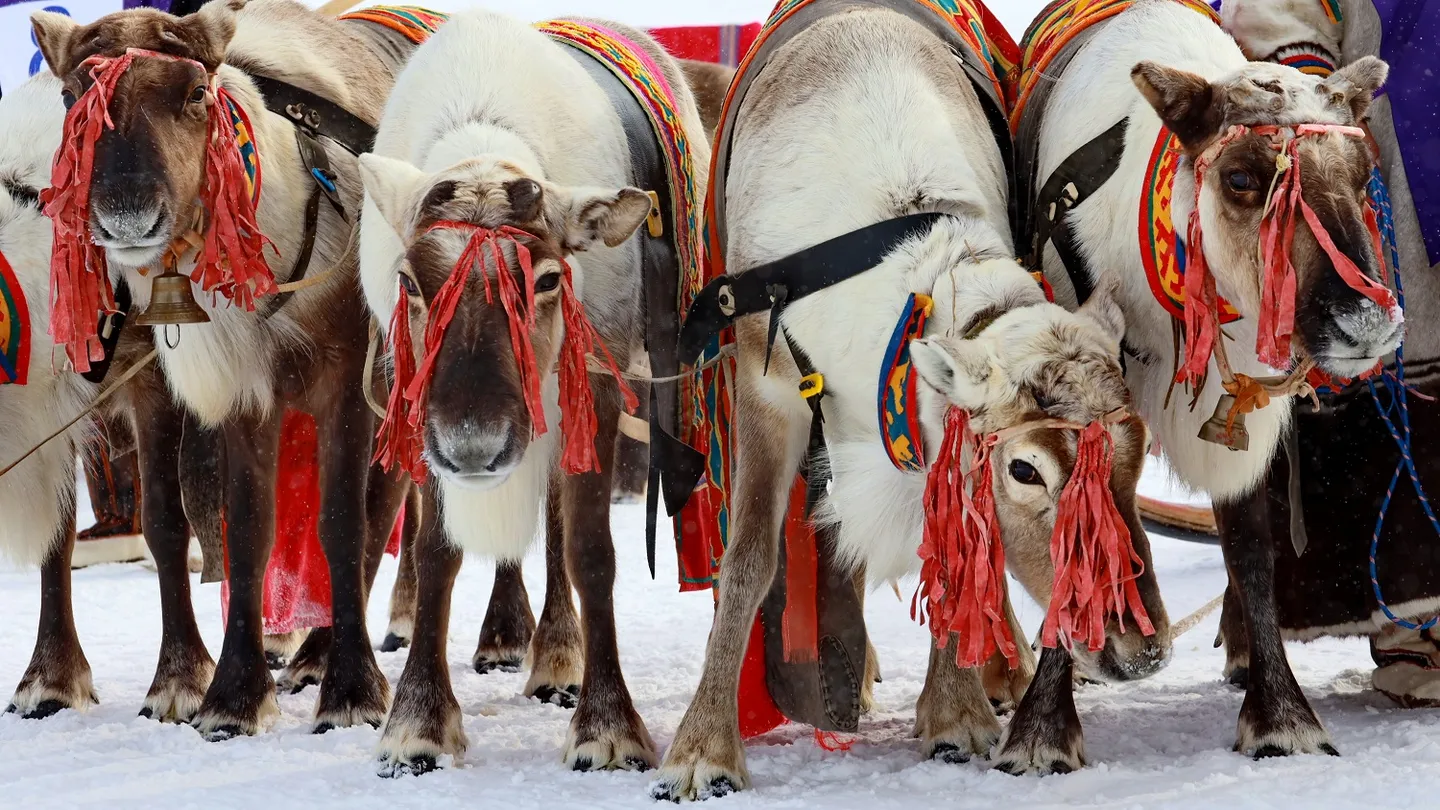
958 369
1354 85
1188 104
210 30
589 215
394 186
55 34
1104 310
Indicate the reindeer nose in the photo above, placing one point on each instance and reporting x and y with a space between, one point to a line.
472 450
129 225
1370 329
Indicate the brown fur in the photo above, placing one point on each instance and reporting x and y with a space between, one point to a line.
709 82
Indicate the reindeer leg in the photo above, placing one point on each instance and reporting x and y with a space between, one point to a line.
509 623
953 719
353 691
707 757
58 676
1003 685
1233 636
241 697
1045 735
606 732
185 667
425 720
402 595
307 664
872 659
281 648
556 655
1275 719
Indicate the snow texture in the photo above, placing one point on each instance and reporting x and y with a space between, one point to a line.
1163 742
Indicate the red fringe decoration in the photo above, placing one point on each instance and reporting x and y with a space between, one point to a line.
962 572
1277 237
400 438
231 262
1095 561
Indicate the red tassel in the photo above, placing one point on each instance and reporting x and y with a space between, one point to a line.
80 290
1201 320
577 401
962 585
231 261
400 437
1096 567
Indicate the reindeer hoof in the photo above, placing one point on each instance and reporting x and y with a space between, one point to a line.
42 710
147 713
950 754
1239 677
274 660
222 733
393 643
416 766
485 666
566 698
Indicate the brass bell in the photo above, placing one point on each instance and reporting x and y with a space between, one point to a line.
171 302
1215 430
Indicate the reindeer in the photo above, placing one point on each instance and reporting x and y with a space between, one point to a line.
1194 81
834 136
255 357
537 153
38 495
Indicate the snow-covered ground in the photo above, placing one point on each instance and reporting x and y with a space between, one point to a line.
1158 743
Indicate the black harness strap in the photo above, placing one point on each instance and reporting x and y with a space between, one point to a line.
770 287
675 467
318 114
816 465
1073 181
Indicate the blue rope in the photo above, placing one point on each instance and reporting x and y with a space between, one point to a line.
1398 403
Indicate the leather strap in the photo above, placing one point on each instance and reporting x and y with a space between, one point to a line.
772 286
1073 181
110 325
675 467
317 114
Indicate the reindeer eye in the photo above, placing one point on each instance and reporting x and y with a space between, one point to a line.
1242 182
197 96
67 97
547 282
408 284
1025 473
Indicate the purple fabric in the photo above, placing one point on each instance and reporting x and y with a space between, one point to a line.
1410 37
163 5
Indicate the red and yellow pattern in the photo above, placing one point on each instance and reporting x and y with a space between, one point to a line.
415 22
1058 24
14 328
1161 250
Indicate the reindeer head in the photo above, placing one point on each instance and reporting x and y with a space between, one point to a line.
1042 362
478 422
149 169
1344 331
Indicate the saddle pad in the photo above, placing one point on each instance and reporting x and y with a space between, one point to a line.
414 22
14 328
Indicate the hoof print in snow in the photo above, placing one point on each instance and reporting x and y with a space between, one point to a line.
566 698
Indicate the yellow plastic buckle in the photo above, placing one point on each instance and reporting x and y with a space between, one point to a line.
653 220
812 385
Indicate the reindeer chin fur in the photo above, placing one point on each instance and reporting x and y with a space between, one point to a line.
502 522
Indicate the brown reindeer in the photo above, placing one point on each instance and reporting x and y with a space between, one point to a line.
244 368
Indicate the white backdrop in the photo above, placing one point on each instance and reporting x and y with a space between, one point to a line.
19 58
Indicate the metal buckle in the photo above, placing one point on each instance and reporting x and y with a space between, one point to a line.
812 385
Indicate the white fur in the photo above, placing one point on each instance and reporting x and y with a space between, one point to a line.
1105 224
35 497
1264 26
493 88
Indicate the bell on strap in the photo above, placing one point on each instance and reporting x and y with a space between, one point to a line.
172 302
1223 429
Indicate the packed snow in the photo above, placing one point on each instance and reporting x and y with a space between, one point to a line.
1163 742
